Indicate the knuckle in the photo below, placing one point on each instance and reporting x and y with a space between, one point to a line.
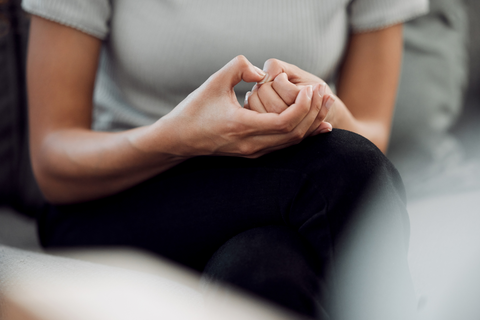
298 135
254 156
211 78
305 107
290 97
246 149
285 127
322 114
241 60
280 78
273 61
255 150
264 89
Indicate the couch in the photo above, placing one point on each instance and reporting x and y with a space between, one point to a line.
434 144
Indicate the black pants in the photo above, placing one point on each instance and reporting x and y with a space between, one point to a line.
337 201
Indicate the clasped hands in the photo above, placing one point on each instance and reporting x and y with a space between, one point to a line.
286 105
275 93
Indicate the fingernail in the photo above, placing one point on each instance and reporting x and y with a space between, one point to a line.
325 129
247 95
309 92
265 79
322 89
259 71
330 102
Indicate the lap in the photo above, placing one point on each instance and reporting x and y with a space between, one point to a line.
189 211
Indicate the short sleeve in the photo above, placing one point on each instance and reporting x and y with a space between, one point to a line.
369 15
89 16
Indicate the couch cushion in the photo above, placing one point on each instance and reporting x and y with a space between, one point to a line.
430 98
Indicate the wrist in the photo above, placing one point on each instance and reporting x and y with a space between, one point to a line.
156 141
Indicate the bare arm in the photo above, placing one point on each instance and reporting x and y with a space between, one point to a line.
366 90
72 163
368 84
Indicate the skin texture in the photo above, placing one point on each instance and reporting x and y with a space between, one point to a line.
278 94
367 85
72 163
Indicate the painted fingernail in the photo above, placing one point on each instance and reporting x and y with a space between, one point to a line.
309 91
260 71
322 89
265 79
326 130
247 95
329 103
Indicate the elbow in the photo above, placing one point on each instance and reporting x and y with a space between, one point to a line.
56 191
48 174
50 189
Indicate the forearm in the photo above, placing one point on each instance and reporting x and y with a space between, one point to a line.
71 162
75 165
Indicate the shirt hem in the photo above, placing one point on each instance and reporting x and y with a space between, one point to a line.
376 26
52 18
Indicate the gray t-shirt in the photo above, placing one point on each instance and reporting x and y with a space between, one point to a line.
156 52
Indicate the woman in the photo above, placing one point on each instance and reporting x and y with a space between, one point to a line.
132 146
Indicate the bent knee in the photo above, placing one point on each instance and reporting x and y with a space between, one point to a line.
348 163
353 153
272 262
258 257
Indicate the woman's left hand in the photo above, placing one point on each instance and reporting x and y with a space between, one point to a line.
280 88
367 84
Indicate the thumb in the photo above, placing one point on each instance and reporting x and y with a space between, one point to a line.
236 70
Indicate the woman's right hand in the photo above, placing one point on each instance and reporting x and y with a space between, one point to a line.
211 122
73 163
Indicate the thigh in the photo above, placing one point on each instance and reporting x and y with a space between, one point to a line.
188 212
185 214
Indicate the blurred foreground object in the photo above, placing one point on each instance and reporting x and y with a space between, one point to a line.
40 287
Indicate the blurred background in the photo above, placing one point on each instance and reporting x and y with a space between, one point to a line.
435 145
